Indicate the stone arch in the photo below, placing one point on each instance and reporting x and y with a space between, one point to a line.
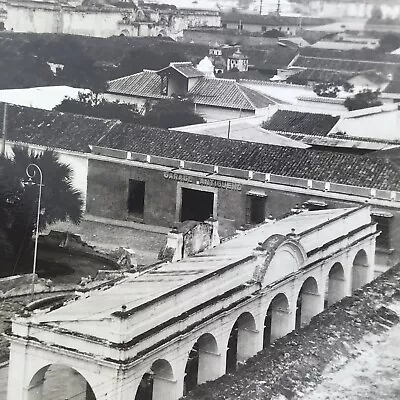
125 32
308 302
335 285
282 255
46 382
359 271
158 383
242 342
203 362
277 321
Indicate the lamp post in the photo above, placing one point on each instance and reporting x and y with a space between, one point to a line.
31 170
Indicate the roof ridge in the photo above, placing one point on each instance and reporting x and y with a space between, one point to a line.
241 87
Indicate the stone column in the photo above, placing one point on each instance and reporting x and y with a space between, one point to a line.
280 324
310 305
164 389
209 366
76 386
249 343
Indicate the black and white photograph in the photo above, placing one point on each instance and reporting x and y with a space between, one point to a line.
199 199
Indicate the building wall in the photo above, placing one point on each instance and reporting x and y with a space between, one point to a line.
289 29
212 114
107 193
28 18
211 36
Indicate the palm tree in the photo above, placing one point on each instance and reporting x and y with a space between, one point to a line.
60 200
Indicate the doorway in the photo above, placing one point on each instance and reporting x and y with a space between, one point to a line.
135 201
255 209
197 205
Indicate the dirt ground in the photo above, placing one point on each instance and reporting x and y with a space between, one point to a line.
109 237
373 375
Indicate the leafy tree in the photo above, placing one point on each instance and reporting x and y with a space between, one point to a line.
331 89
365 99
18 202
171 113
93 105
389 42
166 113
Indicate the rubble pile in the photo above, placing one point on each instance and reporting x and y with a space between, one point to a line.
295 364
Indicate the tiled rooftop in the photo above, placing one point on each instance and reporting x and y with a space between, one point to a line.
142 84
185 68
213 92
73 132
229 94
301 122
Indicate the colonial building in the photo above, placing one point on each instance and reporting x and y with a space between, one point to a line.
214 99
160 333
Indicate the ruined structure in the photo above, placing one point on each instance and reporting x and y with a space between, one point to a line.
101 20
161 333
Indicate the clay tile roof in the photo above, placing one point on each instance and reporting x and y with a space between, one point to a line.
228 94
184 68
347 169
76 132
301 122
142 84
54 129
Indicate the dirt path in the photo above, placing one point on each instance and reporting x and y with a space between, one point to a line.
373 375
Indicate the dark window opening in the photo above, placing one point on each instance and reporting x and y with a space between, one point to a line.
136 198
263 29
255 209
224 26
196 205
240 26
383 226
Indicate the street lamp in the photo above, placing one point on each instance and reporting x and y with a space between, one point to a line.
31 170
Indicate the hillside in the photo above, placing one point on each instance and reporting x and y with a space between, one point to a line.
24 57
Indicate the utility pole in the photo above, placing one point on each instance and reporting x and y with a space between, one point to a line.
229 128
4 138
278 8
261 4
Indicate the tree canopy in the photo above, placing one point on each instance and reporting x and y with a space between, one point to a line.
165 113
18 201
366 98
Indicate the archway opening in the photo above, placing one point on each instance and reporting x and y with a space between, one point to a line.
359 275
241 343
276 323
202 364
57 381
334 285
308 302
158 383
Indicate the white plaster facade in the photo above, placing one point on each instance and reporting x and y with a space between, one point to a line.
253 292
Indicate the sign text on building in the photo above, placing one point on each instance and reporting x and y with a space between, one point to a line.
203 181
